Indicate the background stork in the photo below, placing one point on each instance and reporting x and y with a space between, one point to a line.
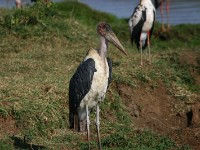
141 25
159 4
90 82
18 3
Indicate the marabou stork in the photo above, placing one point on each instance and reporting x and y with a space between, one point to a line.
90 82
141 25
159 3
18 3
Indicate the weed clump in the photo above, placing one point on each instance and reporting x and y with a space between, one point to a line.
20 19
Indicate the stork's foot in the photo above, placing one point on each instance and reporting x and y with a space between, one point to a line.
165 28
168 27
141 63
149 60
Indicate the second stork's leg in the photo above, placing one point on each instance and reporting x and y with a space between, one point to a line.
88 126
97 125
148 43
167 11
162 17
141 61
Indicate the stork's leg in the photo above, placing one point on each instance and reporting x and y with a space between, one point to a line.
141 62
167 11
88 126
162 16
97 125
76 122
148 43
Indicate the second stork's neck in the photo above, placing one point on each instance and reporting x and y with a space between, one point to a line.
146 2
103 47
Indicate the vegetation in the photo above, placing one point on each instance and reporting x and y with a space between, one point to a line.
40 48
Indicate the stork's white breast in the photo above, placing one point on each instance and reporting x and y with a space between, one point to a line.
99 82
149 20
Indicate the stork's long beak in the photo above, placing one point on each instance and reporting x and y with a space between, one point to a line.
111 37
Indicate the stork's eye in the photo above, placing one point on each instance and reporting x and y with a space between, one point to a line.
108 27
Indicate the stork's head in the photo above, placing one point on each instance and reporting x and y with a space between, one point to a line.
105 31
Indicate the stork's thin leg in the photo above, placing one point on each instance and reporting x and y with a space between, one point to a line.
76 122
162 17
141 62
88 126
148 43
97 125
167 11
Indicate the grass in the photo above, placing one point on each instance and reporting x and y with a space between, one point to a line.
40 48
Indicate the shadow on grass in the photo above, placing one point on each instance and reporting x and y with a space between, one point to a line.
21 144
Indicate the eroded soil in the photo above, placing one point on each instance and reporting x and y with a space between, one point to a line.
157 110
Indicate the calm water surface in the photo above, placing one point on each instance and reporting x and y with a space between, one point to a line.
181 11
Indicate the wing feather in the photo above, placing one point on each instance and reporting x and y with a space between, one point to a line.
136 23
110 71
79 86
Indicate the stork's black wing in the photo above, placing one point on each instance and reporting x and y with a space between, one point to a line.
79 86
136 23
110 71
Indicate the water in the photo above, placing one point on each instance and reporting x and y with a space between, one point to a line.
11 3
181 11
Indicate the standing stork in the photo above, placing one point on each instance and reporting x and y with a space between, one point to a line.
141 25
90 82
18 3
159 3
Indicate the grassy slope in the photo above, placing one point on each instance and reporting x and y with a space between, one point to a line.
40 50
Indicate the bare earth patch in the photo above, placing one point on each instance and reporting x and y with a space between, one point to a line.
155 110
7 127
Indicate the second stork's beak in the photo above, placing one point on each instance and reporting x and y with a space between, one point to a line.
111 37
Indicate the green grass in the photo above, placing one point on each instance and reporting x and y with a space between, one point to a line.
40 48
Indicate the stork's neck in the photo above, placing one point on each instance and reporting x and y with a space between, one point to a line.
103 47
146 3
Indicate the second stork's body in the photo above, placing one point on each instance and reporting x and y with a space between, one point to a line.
90 82
141 25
